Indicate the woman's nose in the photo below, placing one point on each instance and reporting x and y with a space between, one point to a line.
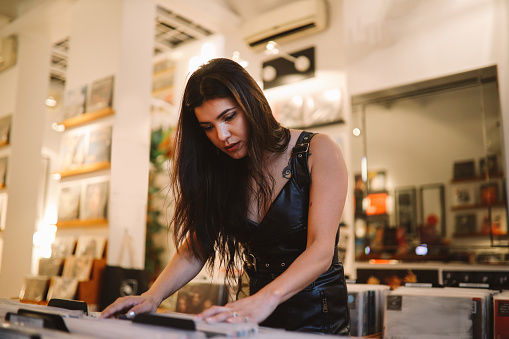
223 132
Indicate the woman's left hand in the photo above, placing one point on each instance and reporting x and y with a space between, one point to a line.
253 309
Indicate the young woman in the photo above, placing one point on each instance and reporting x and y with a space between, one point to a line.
248 188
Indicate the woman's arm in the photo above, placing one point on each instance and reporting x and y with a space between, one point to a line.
327 198
183 267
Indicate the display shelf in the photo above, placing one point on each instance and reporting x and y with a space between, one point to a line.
82 223
478 234
87 117
498 204
478 178
162 90
89 168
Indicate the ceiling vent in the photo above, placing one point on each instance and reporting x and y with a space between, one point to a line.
288 22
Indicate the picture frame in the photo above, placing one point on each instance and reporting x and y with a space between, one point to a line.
62 288
432 200
99 146
463 195
406 208
464 169
91 245
69 203
5 130
4 162
101 94
465 223
78 267
75 102
95 201
34 288
489 193
488 165
498 223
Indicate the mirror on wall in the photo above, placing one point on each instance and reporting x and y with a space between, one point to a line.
429 171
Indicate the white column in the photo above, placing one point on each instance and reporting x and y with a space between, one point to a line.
24 166
117 37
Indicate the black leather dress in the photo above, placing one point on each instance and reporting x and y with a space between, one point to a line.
278 240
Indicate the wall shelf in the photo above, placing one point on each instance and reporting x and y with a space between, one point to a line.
87 117
88 168
82 223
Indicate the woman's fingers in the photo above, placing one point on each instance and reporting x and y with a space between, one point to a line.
121 305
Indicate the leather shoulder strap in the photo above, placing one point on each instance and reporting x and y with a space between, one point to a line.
300 154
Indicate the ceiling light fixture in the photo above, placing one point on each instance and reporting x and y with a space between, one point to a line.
301 62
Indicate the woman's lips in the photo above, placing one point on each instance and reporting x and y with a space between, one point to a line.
233 147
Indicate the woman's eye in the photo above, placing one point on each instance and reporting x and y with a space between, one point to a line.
207 128
230 116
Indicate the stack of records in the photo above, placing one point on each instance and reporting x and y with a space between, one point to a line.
501 315
366 304
450 312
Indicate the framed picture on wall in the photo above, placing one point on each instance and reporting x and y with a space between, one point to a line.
406 208
433 207
5 130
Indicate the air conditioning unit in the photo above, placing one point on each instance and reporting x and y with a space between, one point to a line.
288 22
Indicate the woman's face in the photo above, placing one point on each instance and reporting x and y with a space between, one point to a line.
225 125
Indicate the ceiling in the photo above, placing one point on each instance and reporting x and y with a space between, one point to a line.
171 29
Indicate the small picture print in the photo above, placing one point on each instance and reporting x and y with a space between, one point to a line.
489 193
91 246
101 94
34 288
96 201
462 196
73 151
75 102
99 146
5 130
3 172
63 246
78 267
69 203
62 288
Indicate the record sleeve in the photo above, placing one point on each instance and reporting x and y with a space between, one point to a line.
91 245
78 267
95 202
34 288
99 146
69 203
101 94
62 288
75 102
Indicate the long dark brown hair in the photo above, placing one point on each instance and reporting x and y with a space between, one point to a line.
212 189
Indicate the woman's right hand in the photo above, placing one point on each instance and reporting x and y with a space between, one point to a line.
131 305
